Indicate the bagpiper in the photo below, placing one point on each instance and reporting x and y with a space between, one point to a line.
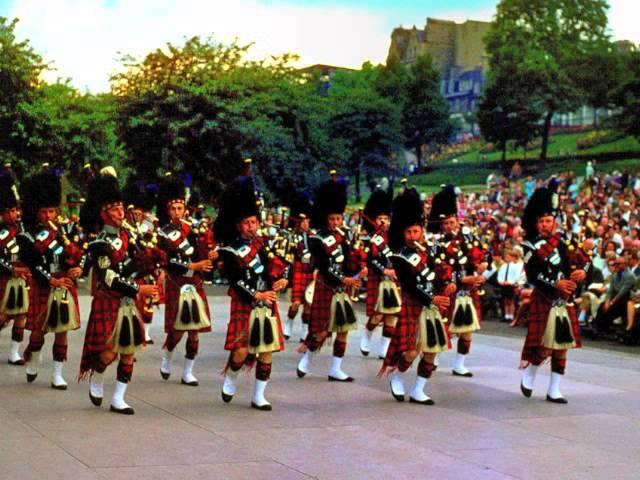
255 276
552 328
383 299
338 270
115 327
302 271
464 257
187 308
421 328
14 276
139 200
56 263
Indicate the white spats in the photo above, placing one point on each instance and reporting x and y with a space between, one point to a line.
287 327
384 346
147 337
96 388
458 366
32 366
14 353
118 404
336 373
165 365
365 342
397 385
529 376
304 365
554 392
258 401
187 373
417 394
304 330
57 381
229 385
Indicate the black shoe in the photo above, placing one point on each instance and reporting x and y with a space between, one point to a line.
346 380
422 402
458 374
165 376
191 384
150 341
123 411
397 396
560 400
31 377
286 337
17 362
226 398
58 387
265 408
365 353
525 391
97 401
300 373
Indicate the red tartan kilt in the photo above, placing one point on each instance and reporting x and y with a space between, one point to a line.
405 335
373 283
238 326
320 307
300 281
172 296
38 297
538 314
102 319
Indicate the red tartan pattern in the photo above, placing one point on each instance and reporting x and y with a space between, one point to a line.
302 277
538 314
320 314
405 335
373 282
238 326
102 319
172 296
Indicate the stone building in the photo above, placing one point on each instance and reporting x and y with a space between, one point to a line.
458 50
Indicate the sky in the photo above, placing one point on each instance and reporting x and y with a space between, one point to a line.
83 38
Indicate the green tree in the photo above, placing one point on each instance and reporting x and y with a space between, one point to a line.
546 41
20 76
627 97
425 115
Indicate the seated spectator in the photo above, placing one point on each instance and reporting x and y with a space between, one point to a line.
631 334
616 298
511 277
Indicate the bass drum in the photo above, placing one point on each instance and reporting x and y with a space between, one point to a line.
308 292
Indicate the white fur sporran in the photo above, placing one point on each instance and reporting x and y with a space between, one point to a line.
192 313
16 297
432 335
61 311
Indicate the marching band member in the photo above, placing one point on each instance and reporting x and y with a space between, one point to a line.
114 327
187 308
255 277
302 271
55 266
421 329
553 327
338 268
148 256
467 259
14 276
383 299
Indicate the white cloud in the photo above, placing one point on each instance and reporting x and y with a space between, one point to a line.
623 20
82 37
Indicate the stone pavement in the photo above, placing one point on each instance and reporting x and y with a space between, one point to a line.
480 428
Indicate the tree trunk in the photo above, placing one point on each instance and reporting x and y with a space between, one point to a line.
545 139
418 157
357 180
504 156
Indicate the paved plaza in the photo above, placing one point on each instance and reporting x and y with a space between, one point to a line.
480 428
